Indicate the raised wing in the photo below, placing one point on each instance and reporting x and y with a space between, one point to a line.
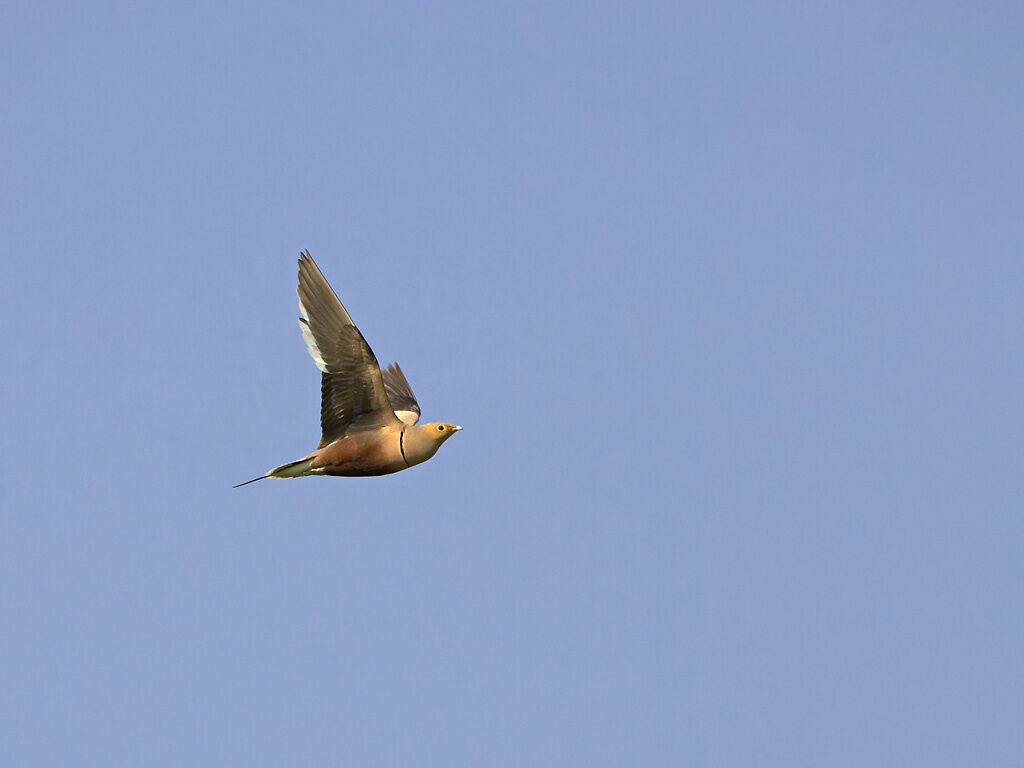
323 316
352 388
400 394
352 395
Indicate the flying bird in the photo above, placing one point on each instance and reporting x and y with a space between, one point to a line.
367 416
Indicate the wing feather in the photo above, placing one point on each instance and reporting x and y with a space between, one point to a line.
352 392
400 394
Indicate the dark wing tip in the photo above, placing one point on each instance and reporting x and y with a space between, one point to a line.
398 390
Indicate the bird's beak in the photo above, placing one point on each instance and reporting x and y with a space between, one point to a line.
457 428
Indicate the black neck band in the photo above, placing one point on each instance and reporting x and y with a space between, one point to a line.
401 446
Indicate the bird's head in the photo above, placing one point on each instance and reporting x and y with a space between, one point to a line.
422 441
440 431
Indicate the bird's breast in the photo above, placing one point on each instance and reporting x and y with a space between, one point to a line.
373 453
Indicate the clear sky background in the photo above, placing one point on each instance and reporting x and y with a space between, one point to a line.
727 296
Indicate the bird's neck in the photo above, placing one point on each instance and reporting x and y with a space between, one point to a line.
418 445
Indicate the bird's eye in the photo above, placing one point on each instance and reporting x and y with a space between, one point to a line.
440 427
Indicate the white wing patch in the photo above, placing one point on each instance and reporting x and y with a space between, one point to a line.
307 336
409 417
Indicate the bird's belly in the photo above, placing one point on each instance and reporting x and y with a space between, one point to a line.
351 457
355 470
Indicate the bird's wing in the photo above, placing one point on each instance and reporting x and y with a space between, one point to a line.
352 389
321 310
400 394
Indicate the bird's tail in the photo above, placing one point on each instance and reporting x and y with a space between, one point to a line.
291 469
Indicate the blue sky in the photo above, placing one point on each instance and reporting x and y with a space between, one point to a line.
726 296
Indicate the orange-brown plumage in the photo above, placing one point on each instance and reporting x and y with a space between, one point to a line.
375 452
